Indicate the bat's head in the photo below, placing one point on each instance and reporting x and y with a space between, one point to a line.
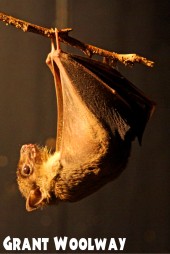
34 176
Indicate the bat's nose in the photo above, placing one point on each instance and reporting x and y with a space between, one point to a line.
29 150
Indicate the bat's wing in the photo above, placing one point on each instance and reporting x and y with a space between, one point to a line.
95 103
137 108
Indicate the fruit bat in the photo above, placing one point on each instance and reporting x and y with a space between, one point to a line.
99 114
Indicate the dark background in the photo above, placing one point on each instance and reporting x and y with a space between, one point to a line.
137 204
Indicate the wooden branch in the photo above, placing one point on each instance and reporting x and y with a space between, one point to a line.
89 50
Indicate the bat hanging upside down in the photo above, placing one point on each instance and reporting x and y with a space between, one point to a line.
99 115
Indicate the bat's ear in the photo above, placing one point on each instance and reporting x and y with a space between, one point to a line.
34 200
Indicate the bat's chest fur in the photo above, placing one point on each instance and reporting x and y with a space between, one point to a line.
78 181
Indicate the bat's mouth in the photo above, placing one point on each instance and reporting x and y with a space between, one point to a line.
35 200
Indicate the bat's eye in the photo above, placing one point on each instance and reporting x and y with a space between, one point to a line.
26 170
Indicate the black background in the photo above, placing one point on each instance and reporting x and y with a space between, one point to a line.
136 205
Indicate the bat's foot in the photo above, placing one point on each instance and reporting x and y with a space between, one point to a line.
55 44
57 41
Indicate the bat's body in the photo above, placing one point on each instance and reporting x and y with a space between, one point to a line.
99 115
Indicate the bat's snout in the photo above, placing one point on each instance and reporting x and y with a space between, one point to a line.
29 150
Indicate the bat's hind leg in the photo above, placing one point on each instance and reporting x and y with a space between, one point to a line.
55 44
57 41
